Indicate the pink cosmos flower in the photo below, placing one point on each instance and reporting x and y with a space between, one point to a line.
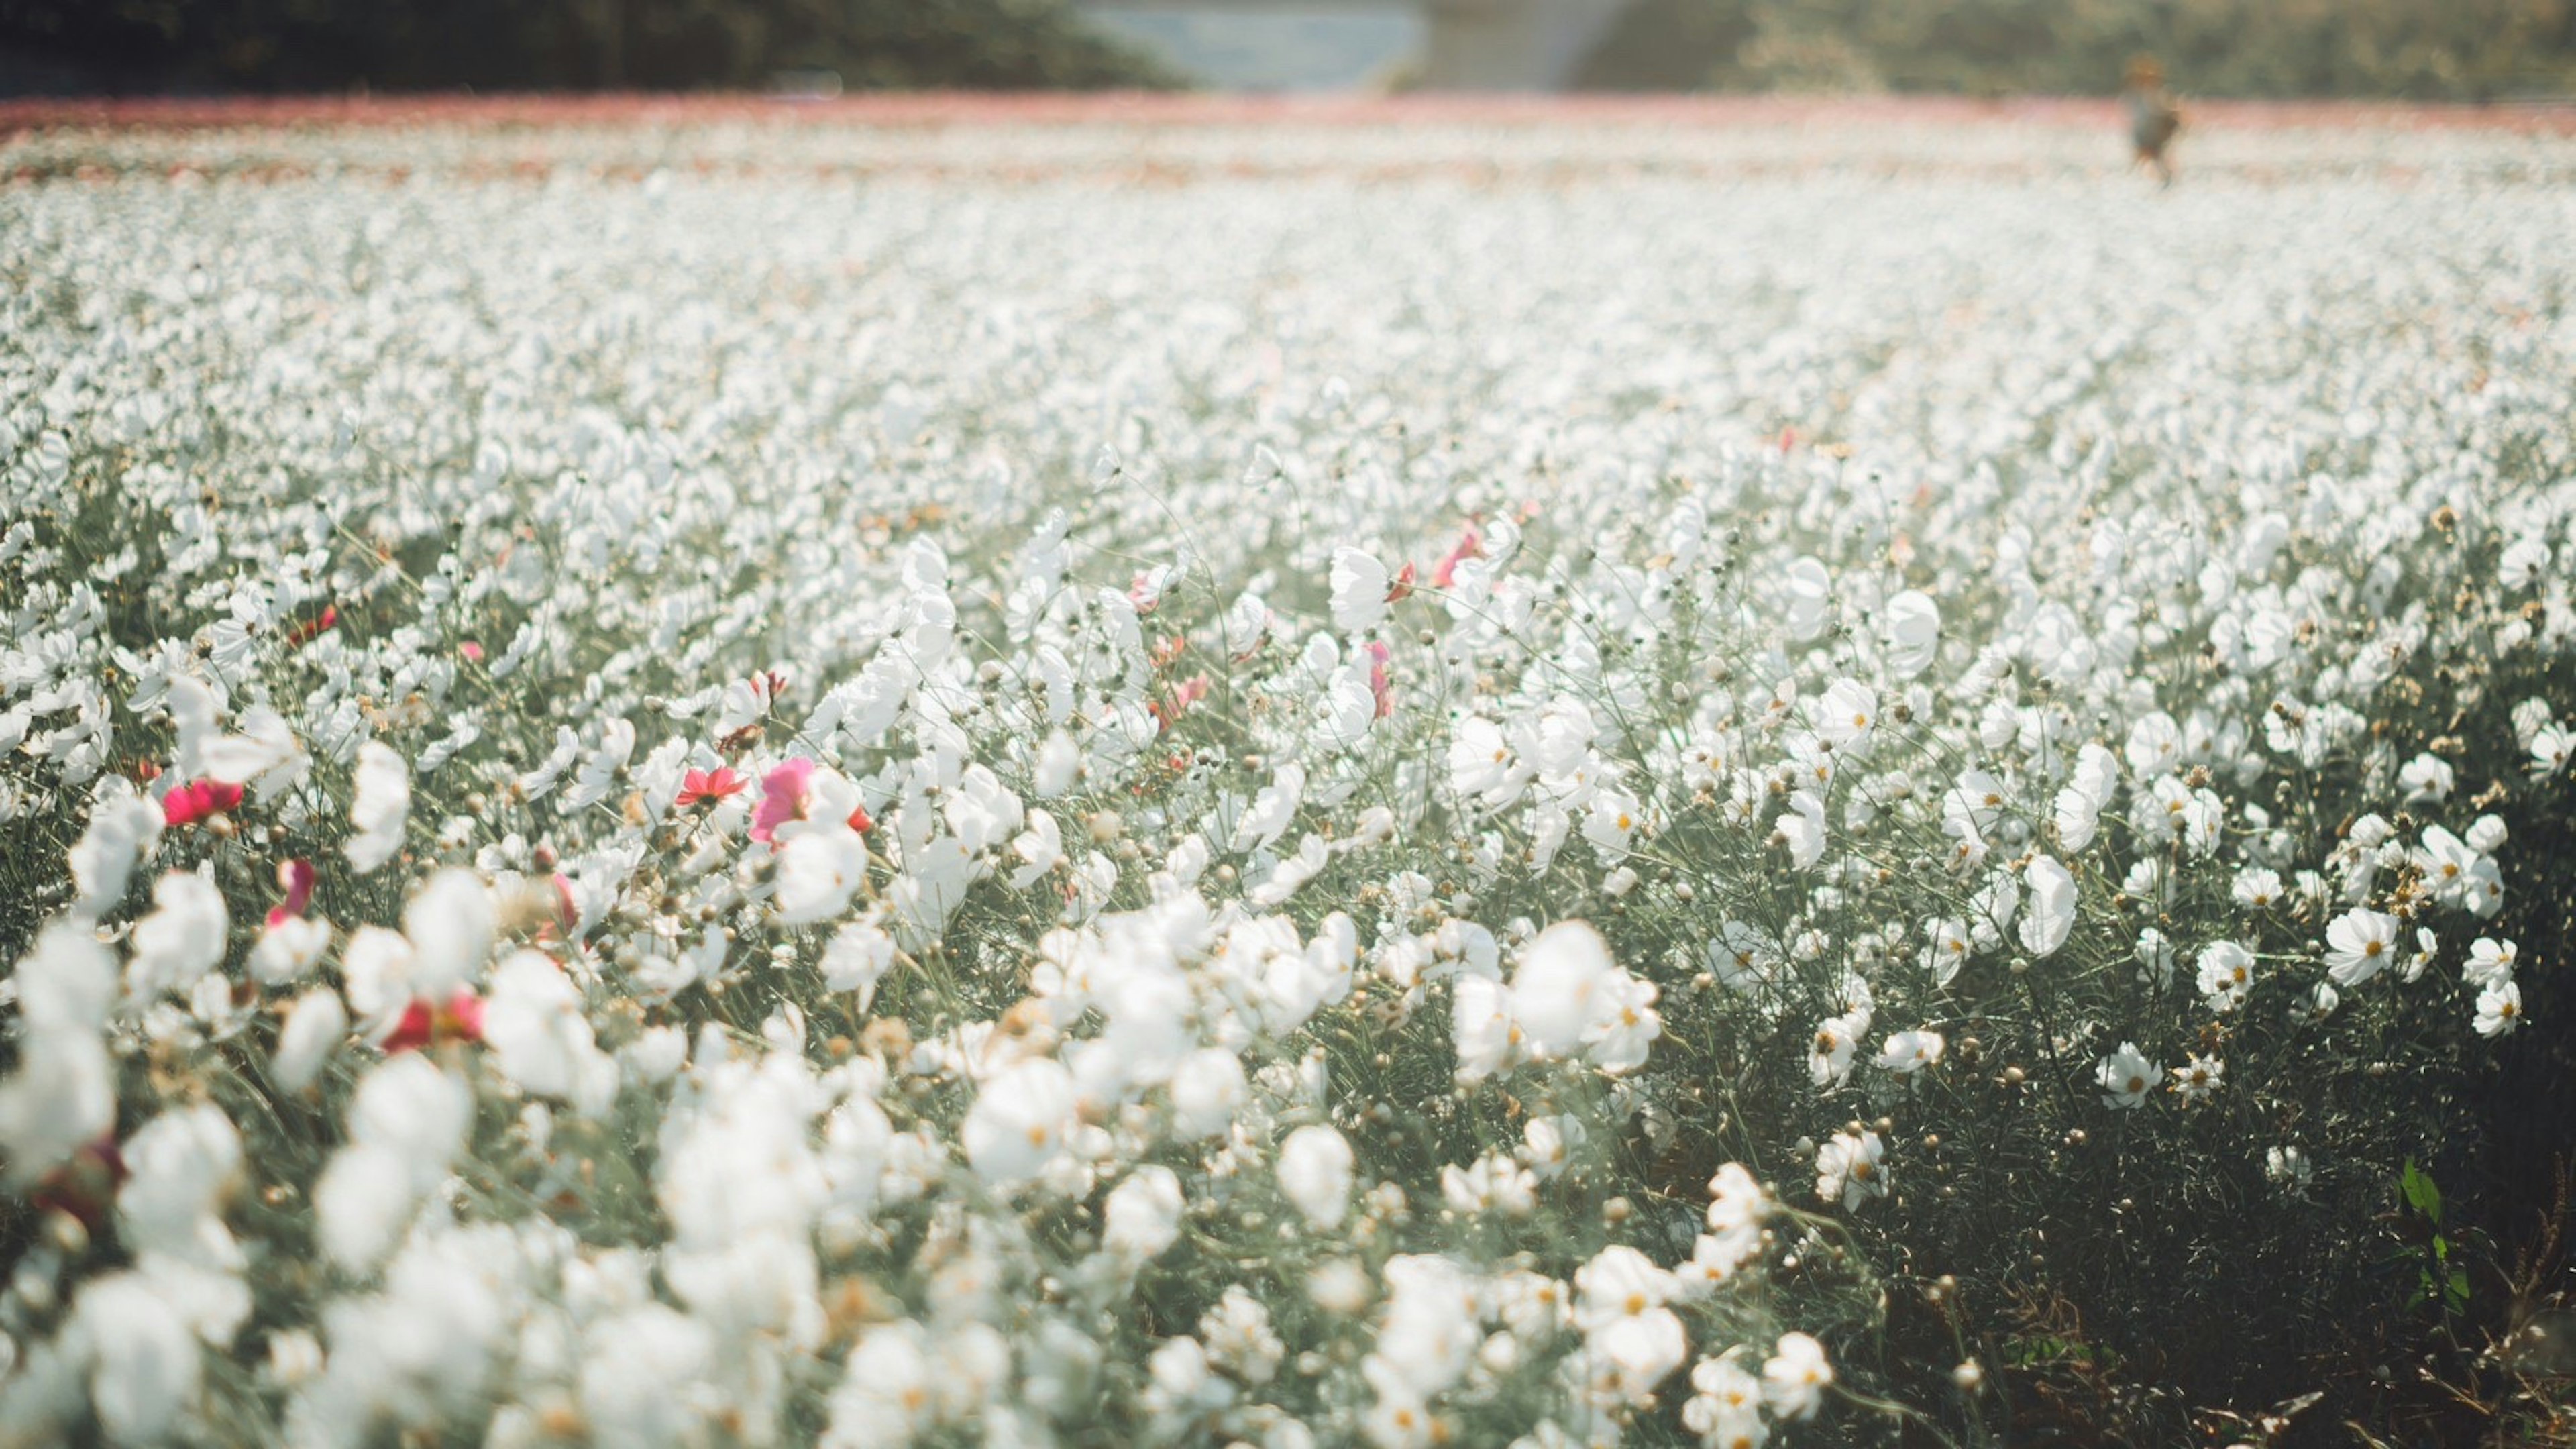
782 798
1380 687
297 877
1471 544
199 800
460 1018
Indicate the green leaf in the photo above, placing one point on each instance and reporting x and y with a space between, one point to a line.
2421 1194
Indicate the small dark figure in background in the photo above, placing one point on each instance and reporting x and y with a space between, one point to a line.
2152 117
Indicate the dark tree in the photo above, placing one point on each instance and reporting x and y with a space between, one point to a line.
331 45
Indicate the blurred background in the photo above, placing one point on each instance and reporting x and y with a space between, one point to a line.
2446 50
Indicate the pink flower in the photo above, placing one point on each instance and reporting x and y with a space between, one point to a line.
782 798
1184 694
1471 544
1380 687
472 651
704 785
459 1019
199 800
297 877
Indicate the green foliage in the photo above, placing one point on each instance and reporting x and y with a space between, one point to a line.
2475 50
290 45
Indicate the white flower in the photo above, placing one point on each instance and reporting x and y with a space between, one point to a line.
1142 1215
1726 1410
2499 1009
1803 829
2426 777
288 948
1846 716
181 940
1314 1170
1019 1121
406 1122
1794 1380
1557 986
1359 585
2195 1080
1909 629
1907 1052
1829 1050
1207 1090
2490 962
539 1037
2359 945
378 808
1848 1170
124 828
2226 973
145 1362
314 1029
2127 1076
2051 912
818 870
1619 1282
857 958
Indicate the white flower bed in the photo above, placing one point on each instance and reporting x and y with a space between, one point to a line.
749 808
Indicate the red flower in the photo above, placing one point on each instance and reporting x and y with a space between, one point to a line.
85 1185
460 1019
700 786
1402 589
311 629
297 877
859 820
199 800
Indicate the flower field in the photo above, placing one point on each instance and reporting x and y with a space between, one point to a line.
1792 776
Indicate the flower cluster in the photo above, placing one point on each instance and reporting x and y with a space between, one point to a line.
713 809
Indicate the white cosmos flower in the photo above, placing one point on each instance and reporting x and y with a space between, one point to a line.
818 870
379 805
450 922
540 1038
2359 945
2051 911
2499 1009
315 1028
181 940
1795 1378
1910 632
2226 973
1359 584
1019 1122
1142 1215
124 828
1848 1171
1315 1174
1908 1052
2490 962
2127 1076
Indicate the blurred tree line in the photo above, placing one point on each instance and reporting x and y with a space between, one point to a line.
333 45
2464 50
